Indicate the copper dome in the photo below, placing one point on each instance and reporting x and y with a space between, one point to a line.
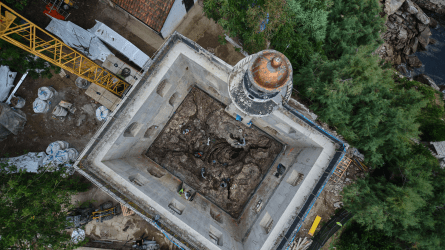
270 71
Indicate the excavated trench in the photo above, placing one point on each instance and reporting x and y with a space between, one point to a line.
235 158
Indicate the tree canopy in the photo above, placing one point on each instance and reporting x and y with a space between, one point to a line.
330 45
22 61
34 208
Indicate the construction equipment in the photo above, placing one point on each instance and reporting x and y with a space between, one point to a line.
19 31
54 8
67 4
82 216
106 212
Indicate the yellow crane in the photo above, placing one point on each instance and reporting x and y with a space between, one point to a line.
27 36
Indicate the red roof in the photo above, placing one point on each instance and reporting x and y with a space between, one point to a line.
152 12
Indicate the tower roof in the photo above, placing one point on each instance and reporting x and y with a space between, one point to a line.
270 71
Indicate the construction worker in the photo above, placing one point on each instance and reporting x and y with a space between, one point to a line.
198 154
181 192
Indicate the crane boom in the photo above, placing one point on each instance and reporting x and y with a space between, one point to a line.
25 35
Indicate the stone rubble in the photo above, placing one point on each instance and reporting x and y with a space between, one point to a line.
408 31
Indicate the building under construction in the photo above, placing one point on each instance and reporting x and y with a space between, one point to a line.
215 156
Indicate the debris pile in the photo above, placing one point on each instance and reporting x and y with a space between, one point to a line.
408 31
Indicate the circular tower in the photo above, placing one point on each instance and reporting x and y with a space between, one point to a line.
260 83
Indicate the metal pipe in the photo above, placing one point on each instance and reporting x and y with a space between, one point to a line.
16 87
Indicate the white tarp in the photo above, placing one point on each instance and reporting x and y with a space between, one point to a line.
6 82
29 162
78 235
112 38
79 39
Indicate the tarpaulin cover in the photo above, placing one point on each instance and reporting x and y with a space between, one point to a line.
112 38
6 82
12 120
102 113
79 39
40 106
29 162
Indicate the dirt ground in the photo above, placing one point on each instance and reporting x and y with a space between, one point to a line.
328 202
120 228
205 32
201 136
41 129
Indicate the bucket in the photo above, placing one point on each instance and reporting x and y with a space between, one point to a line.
40 106
17 102
46 93
59 111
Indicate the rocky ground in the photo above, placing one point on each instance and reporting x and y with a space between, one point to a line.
202 136
408 31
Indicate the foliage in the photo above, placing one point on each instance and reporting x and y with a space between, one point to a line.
21 61
351 24
305 33
18 4
404 200
34 208
360 99
295 27
431 124
357 237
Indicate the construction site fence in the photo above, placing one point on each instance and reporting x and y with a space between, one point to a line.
295 226
329 229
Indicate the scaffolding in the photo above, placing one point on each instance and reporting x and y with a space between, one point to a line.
20 32
341 169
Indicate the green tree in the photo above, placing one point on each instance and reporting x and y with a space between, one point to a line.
295 27
21 61
431 118
351 24
34 208
360 99
18 4
357 237
405 200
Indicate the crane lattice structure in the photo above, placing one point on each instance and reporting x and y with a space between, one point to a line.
24 34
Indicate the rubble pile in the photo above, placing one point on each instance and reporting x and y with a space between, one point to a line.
408 31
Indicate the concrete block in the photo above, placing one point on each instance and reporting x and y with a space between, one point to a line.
95 91
113 64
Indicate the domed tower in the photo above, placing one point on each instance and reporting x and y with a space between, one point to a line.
261 82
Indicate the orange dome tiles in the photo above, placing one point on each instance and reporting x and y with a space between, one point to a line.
270 70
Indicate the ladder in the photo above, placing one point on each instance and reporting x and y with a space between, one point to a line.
341 169
20 32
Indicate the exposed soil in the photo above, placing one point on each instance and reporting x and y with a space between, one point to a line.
324 206
119 229
214 143
41 129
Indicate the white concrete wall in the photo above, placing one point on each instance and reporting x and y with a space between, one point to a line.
174 18
184 67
